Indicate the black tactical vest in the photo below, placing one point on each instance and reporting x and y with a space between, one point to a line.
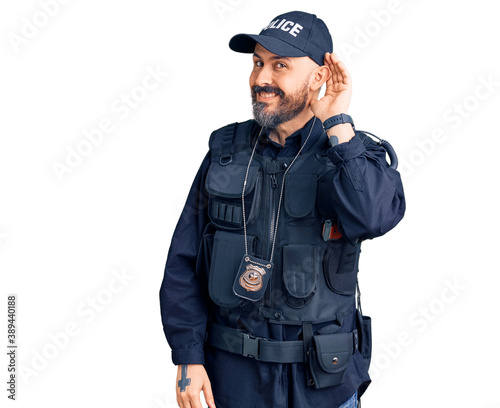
314 278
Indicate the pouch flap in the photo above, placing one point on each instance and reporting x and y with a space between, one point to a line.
227 181
344 283
300 269
334 351
300 194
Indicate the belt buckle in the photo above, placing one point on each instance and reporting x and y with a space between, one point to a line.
250 346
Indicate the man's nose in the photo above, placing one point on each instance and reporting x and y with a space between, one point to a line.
264 76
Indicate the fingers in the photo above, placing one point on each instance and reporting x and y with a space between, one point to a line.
339 70
183 403
184 399
331 64
189 399
342 73
207 392
195 401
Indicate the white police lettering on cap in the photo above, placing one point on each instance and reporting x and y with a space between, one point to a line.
285 26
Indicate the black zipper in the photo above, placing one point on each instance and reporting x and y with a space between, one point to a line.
272 225
273 220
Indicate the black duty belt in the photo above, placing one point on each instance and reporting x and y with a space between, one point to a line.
260 348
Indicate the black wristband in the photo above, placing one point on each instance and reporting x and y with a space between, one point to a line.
335 120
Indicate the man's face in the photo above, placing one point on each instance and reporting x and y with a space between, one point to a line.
279 86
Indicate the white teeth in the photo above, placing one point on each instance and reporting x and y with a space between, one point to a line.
267 95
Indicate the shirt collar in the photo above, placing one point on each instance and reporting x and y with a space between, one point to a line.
296 139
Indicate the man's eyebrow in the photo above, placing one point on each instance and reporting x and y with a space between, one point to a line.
275 57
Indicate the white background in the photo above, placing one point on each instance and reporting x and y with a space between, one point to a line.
415 66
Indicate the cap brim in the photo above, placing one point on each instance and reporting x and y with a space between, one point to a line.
246 43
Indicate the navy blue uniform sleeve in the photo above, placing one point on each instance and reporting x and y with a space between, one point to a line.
366 193
183 301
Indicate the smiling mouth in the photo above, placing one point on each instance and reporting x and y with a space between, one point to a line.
265 96
266 93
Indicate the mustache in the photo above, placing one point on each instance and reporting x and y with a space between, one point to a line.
267 89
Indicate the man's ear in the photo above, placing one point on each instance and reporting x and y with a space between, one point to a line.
319 76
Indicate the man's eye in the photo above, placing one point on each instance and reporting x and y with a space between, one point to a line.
280 65
258 64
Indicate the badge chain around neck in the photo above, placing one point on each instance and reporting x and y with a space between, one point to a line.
281 191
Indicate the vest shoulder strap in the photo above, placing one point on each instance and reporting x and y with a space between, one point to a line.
367 140
227 140
384 144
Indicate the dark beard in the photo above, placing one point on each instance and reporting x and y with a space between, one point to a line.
288 108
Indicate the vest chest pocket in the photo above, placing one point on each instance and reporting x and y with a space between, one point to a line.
224 184
300 195
341 266
301 265
227 253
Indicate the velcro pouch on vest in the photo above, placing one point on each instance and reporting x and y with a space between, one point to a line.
341 266
252 278
224 183
329 356
227 252
300 195
301 266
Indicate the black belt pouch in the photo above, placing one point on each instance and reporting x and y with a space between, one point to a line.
364 324
329 355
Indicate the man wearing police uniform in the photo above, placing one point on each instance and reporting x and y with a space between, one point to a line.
258 299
